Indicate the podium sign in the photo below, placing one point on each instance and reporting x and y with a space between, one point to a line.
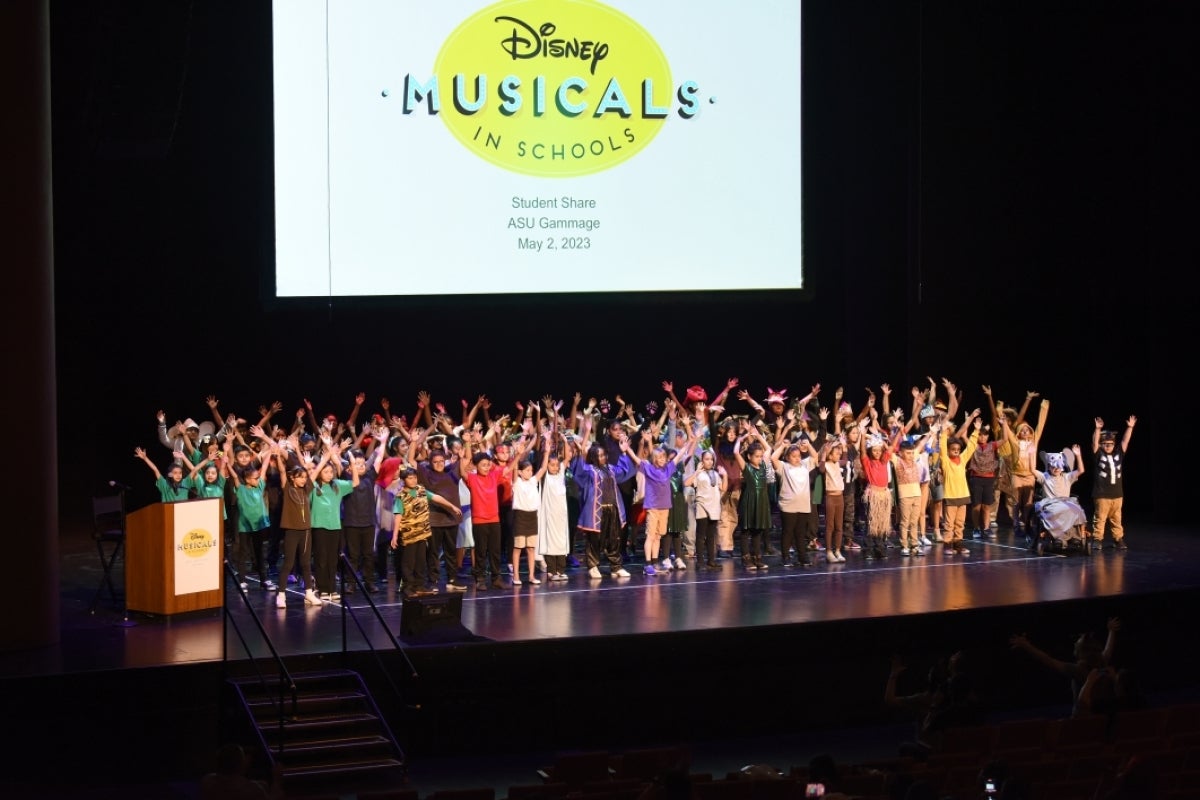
174 554
197 561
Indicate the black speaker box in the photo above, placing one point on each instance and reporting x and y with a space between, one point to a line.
432 614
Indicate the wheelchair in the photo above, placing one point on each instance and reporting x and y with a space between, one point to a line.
1059 527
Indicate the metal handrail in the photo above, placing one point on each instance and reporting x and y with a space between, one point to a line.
344 567
286 682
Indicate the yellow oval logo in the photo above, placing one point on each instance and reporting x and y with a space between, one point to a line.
196 543
553 88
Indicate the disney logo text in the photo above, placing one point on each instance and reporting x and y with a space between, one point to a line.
526 42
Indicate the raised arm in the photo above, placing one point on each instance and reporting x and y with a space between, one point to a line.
1129 423
140 453
547 438
352 420
1022 643
693 436
669 388
737 451
197 467
730 385
469 419
991 407
1025 406
627 449
745 397
1110 644
266 413
952 400
414 446
212 403
233 476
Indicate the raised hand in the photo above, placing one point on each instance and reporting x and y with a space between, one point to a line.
731 383
308 404
211 400
886 389
139 452
161 416
360 398
1031 395
987 390
668 387
743 395
1099 423
1131 421
422 399
299 414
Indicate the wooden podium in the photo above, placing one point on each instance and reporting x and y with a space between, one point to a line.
174 557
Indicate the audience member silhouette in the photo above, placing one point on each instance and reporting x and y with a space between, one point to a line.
948 701
1088 656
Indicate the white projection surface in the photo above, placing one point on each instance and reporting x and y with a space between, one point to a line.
536 146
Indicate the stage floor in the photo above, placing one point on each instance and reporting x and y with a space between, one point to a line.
997 574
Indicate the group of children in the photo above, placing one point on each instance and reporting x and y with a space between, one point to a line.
688 479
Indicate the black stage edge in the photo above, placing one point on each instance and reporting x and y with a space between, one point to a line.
613 692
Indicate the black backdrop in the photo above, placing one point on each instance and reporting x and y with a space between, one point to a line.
994 192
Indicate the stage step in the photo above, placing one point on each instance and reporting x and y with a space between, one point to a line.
334 733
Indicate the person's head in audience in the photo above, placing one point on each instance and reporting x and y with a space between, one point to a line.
1088 651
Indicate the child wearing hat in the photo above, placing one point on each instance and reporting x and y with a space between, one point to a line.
1108 485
